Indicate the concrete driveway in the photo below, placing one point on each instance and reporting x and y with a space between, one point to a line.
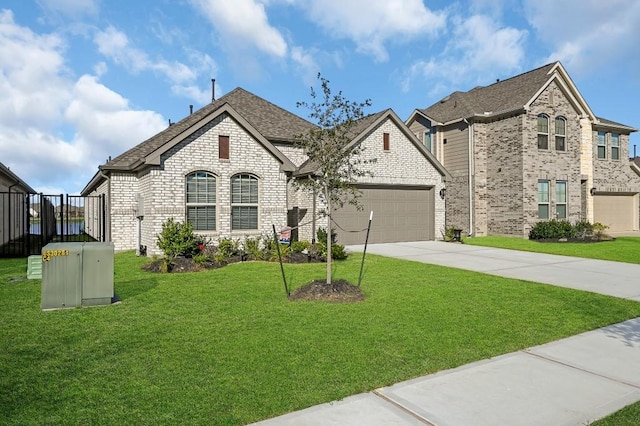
598 276
572 381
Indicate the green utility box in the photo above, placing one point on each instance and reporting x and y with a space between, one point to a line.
77 274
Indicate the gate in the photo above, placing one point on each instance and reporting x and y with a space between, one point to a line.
31 221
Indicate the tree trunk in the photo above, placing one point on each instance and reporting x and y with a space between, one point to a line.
328 240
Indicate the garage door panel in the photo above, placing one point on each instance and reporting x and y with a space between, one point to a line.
400 214
618 212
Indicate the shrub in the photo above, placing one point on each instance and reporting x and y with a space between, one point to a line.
561 229
598 230
176 239
337 250
449 233
251 247
299 246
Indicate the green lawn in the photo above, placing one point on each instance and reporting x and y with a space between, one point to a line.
226 347
628 416
622 249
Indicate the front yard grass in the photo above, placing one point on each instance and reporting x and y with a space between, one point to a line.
622 249
225 346
628 416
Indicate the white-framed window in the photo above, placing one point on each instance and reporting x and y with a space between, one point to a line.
561 199
201 200
244 202
602 145
615 146
543 199
543 131
429 140
561 134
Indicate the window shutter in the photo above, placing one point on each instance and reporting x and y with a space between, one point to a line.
385 141
223 147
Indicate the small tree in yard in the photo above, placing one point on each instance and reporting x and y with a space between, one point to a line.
335 165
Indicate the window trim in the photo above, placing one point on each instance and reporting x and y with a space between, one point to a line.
541 133
602 145
195 205
615 146
245 206
561 136
543 203
561 203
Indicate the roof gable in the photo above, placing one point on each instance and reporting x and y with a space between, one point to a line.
364 126
264 118
506 96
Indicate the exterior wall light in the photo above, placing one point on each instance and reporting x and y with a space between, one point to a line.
592 191
443 192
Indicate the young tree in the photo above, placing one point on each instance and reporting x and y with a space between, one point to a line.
333 165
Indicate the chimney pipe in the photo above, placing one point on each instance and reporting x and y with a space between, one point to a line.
170 123
213 89
190 109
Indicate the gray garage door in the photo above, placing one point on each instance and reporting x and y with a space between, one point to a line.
399 214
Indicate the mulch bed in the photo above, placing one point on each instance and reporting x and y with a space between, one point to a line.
185 264
339 291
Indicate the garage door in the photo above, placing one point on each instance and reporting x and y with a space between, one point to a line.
618 212
399 214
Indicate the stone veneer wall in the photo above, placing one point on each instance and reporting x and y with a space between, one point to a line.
455 154
550 164
166 184
613 175
504 190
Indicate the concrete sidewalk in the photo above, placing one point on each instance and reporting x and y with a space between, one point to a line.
572 381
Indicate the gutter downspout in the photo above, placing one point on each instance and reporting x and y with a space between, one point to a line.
471 176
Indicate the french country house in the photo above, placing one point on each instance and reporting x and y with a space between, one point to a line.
227 169
527 149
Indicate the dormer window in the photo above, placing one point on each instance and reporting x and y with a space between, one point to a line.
543 131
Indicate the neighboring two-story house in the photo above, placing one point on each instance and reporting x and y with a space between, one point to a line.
526 149
227 169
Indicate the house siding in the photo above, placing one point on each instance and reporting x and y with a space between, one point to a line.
504 189
455 154
402 164
198 152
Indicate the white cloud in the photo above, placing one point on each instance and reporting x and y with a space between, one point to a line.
105 125
115 45
306 64
372 23
478 45
588 34
243 23
54 130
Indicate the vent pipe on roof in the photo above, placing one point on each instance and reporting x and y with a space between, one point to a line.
213 89
190 109
170 123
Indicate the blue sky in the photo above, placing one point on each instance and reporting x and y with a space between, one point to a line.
82 80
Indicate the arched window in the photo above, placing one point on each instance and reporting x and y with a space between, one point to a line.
201 201
244 202
561 134
543 131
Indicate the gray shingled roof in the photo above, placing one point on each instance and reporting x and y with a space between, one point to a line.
502 96
271 121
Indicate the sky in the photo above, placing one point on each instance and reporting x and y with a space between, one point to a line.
83 80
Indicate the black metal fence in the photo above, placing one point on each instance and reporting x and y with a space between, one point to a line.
31 221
